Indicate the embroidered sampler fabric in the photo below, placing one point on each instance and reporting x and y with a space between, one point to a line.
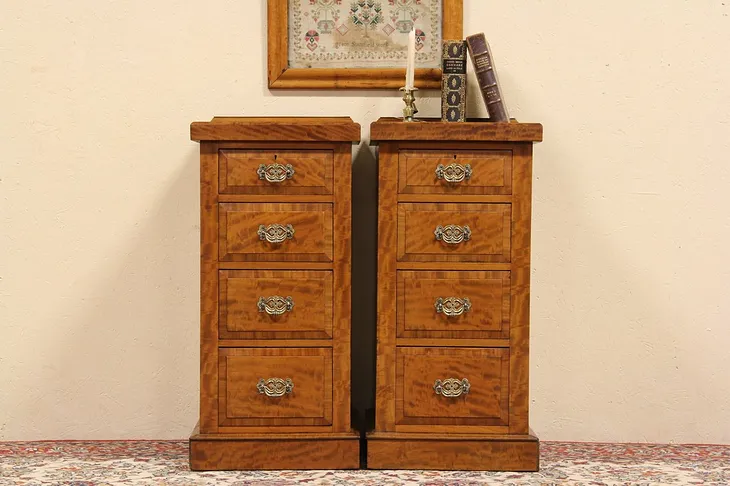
363 33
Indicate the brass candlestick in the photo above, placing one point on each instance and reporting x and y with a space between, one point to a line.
409 98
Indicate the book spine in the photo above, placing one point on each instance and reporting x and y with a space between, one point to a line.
486 75
453 81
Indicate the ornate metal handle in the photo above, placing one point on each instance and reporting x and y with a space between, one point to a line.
276 233
451 387
275 172
275 305
453 173
452 234
452 306
275 387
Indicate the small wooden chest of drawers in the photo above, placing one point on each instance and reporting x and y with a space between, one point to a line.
453 296
275 294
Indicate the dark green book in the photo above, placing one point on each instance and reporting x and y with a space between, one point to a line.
453 81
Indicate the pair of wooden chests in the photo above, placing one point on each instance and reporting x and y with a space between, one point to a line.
453 295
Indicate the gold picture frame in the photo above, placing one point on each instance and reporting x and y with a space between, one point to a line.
282 76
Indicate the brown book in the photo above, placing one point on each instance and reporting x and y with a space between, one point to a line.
481 58
453 81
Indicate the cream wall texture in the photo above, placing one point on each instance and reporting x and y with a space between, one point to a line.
99 206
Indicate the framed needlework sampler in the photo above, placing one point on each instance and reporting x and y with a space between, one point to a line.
319 44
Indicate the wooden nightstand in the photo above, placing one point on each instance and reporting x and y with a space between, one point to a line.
453 296
275 294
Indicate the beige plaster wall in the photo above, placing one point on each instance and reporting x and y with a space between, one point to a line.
99 226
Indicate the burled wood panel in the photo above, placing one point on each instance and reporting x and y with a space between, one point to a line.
313 172
488 294
239 225
490 226
486 403
241 403
491 172
310 317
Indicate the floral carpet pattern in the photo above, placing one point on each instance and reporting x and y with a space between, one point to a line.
166 462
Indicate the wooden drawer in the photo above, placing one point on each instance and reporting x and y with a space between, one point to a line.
485 403
275 232
247 397
453 304
264 304
467 232
455 172
275 171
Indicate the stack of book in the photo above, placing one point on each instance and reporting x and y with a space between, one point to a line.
453 83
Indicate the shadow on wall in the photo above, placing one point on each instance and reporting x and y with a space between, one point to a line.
364 285
127 364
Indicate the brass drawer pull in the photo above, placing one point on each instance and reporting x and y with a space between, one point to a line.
452 234
451 387
275 173
275 305
276 233
452 306
454 173
275 387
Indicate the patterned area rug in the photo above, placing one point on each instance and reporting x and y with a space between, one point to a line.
166 462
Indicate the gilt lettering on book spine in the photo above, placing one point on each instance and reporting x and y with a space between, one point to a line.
453 81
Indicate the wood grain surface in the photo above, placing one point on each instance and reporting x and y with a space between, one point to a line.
486 429
270 452
386 297
313 172
253 265
433 129
449 266
239 239
443 452
208 287
452 342
239 427
488 294
277 39
451 198
490 226
241 403
342 268
519 400
310 317
276 129
355 78
275 343
417 369
491 172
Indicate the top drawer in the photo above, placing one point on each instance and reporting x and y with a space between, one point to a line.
455 172
275 171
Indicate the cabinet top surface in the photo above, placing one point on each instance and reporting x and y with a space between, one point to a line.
276 129
432 129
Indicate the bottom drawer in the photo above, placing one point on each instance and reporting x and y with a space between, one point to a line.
452 386
291 386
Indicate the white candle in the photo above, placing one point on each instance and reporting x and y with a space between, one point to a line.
411 67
